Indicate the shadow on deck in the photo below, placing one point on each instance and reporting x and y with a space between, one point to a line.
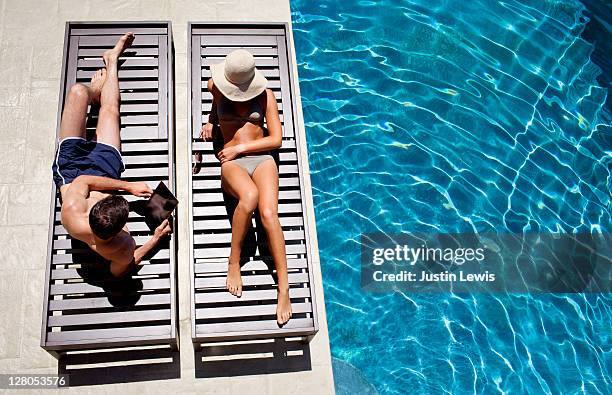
278 355
114 366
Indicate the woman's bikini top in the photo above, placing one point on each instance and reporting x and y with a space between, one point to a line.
227 112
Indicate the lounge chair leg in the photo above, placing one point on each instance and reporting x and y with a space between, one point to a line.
174 346
306 339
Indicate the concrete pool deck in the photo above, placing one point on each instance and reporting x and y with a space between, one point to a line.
31 42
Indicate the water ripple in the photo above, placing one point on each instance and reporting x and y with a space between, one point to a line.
456 116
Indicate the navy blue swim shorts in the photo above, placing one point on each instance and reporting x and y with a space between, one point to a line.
76 156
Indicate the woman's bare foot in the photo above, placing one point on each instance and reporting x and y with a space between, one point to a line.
124 42
283 308
97 82
234 280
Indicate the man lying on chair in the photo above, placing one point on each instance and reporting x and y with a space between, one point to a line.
84 167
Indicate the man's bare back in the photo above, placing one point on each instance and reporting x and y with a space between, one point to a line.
119 250
79 199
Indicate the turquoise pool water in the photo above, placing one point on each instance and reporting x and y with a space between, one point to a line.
455 116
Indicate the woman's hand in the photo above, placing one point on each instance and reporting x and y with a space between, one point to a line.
229 153
207 131
140 189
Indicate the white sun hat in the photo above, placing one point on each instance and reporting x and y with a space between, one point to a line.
237 78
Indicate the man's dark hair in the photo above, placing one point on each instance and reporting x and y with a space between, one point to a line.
108 216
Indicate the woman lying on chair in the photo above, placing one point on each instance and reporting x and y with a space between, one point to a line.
248 171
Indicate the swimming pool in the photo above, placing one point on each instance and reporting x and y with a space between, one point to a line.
455 116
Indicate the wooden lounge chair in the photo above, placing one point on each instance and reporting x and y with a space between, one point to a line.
84 308
217 315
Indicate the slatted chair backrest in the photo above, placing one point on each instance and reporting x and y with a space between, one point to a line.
81 309
217 315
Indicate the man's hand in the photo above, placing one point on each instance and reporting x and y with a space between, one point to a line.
207 131
162 230
140 189
229 153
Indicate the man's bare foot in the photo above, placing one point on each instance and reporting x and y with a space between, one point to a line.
283 308
124 42
234 280
97 82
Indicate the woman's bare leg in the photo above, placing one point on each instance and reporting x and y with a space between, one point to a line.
236 181
265 178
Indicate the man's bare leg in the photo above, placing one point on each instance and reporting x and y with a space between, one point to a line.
74 117
108 130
